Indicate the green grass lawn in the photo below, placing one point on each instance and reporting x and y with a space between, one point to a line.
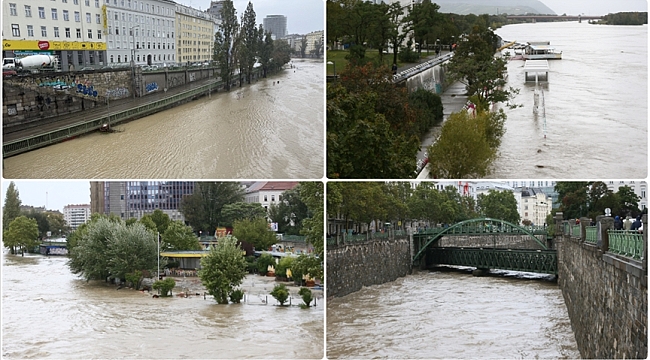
338 57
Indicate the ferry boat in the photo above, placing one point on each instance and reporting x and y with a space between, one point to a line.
541 50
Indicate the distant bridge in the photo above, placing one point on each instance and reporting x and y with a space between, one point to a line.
553 17
487 243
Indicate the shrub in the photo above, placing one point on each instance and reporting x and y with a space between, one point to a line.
236 296
306 295
263 263
165 286
251 266
134 278
280 293
407 55
282 267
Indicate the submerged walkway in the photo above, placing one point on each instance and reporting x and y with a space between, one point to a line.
453 99
48 125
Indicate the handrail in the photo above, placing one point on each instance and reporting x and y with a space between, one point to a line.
626 243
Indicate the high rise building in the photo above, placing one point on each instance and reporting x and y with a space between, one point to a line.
133 199
76 215
215 8
277 25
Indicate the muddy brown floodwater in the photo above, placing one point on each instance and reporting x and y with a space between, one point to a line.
273 128
47 312
452 314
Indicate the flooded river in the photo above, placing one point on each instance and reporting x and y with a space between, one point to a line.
452 314
263 130
596 105
47 312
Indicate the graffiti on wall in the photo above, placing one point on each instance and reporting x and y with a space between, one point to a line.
117 93
192 77
151 87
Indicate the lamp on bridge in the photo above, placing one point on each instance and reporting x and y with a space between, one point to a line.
333 63
608 212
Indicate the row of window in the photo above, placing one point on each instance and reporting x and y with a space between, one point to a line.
15 32
154 9
55 14
118 45
140 19
149 32
163 57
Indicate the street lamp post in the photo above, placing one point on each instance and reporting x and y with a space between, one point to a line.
333 63
133 57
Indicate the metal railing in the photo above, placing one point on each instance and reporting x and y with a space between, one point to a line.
33 142
626 243
575 231
591 234
294 238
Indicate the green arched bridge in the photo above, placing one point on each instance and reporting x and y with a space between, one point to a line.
487 243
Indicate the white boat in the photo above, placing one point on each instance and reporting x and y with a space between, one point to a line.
541 50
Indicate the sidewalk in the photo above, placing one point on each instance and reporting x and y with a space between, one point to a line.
54 123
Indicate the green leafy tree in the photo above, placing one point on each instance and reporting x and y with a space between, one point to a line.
283 265
88 257
203 209
289 212
499 205
148 223
57 224
41 220
303 46
249 40
223 269
629 201
22 233
265 49
430 105
242 211
161 220
312 194
464 149
11 209
256 232
179 236
280 293
281 53
573 198
224 43
131 248
308 265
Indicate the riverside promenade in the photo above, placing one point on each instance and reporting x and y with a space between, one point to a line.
22 138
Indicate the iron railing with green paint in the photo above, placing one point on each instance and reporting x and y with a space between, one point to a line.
567 229
18 146
575 231
294 238
626 243
591 234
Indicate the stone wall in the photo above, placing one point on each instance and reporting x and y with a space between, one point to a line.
351 267
607 300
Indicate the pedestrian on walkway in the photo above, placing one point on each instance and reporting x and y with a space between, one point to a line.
394 69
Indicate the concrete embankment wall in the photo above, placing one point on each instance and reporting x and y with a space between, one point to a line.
353 266
607 300
432 79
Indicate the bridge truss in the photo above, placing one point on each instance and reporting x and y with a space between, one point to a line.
538 261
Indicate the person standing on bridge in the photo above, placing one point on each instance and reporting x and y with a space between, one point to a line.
627 225
618 223
394 69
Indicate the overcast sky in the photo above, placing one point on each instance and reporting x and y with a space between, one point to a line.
53 193
594 7
303 16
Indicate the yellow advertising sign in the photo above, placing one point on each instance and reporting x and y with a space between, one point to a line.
51 45
104 17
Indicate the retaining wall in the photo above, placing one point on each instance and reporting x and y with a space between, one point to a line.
607 300
353 266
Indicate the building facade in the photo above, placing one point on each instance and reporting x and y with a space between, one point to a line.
195 31
134 199
70 30
276 25
315 39
534 205
140 30
76 215
215 8
639 188
268 193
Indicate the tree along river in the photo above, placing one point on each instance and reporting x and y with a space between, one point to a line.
47 312
596 105
273 128
452 314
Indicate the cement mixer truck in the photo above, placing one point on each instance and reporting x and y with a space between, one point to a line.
33 63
